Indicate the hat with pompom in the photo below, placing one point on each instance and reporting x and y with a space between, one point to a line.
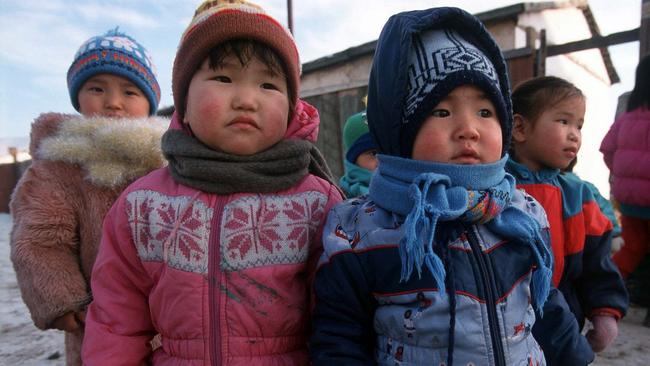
114 53
218 21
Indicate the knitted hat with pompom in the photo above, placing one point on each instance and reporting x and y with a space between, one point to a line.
118 54
218 21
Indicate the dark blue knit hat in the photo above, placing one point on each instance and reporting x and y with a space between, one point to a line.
421 57
114 53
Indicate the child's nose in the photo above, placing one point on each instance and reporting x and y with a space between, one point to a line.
467 130
575 134
112 100
245 98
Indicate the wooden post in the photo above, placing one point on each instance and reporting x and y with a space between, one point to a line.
540 55
644 32
16 169
14 154
290 16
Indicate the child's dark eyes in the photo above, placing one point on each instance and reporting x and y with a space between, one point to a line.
440 113
485 113
269 86
132 93
222 78
95 89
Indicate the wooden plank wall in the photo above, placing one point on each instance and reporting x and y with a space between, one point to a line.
10 174
334 108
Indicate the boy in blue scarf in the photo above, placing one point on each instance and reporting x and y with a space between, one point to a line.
360 156
444 262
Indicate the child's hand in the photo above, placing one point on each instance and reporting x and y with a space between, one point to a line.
604 332
70 322
617 244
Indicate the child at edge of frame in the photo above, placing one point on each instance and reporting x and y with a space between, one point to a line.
80 164
626 152
216 252
444 262
548 118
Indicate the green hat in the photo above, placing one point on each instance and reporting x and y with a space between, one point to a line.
356 136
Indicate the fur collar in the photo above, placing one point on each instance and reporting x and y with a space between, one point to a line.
113 152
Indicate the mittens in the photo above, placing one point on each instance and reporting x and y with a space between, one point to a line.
617 244
604 332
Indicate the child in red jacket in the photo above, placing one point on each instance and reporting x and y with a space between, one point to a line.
548 116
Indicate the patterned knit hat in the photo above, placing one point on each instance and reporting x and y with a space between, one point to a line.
421 57
217 21
118 54
356 136
442 60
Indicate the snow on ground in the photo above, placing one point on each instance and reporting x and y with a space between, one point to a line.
24 344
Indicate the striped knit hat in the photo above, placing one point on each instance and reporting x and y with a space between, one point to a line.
114 53
218 21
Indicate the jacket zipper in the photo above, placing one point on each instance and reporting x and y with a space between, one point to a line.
214 277
490 291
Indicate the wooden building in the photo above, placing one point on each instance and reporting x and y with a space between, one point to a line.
543 38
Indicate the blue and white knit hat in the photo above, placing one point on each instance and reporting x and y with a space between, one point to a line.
421 56
437 57
114 53
442 60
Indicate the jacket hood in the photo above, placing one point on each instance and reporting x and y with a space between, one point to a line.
388 86
113 152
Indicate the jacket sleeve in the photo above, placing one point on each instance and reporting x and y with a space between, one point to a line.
609 144
606 207
118 324
557 333
334 197
343 330
45 244
600 287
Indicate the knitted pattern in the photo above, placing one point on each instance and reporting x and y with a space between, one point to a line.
218 21
442 60
435 56
118 54
421 56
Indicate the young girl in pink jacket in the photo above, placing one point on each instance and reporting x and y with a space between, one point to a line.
216 252
626 150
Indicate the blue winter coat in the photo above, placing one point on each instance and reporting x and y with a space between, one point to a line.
364 315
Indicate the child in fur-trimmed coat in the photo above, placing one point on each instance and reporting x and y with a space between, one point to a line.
80 165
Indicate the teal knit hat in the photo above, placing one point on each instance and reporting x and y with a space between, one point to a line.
114 53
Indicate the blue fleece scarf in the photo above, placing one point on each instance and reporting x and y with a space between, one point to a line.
356 180
428 192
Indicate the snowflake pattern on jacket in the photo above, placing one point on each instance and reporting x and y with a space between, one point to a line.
256 230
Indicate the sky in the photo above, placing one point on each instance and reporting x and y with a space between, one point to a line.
38 39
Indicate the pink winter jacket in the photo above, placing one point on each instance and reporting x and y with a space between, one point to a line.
626 150
224 280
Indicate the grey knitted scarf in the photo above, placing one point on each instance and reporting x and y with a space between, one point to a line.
275 169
